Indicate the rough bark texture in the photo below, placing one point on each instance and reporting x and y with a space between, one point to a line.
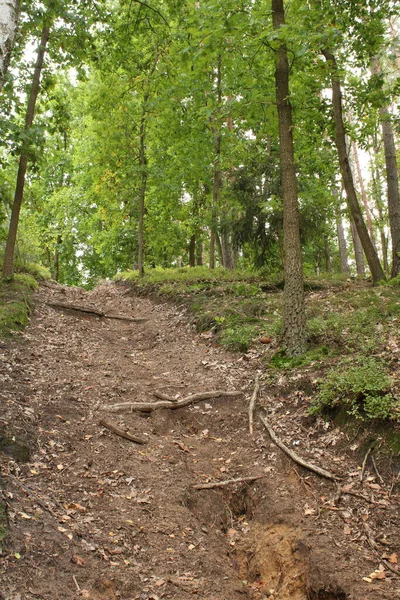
294 334
9 13
358 251
340 139
8 265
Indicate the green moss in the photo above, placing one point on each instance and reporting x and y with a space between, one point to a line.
281 361
15 302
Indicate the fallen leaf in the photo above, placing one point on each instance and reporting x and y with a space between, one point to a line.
78 560
393 558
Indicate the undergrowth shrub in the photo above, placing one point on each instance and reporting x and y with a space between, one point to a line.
362 387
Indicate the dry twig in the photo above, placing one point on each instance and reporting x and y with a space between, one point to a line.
296 457
150 406
379 476
118 431
214 484
162 396
368 452
253 401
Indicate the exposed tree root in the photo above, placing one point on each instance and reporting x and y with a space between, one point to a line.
150 406
300 461
253 401
118 431
94 312
215 484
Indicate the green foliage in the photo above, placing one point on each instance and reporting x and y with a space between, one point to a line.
37 271
361 386
313 356
238 338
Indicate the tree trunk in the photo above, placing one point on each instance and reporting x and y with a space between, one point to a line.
340 139
358 251
9 14
199 253
8 265
143 184
228 252
294 331
192 251
219 248
344 261
212 250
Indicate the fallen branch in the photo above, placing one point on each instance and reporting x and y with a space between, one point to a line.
215 484
94 312
379 476
300 461
252 404
121 432
151 406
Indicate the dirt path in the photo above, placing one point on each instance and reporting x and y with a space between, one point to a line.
92 515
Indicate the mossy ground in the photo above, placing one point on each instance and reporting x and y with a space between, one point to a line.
240 308
15 298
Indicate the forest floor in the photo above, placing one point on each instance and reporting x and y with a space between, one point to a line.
92 515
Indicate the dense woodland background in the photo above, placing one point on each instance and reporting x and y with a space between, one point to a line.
154 139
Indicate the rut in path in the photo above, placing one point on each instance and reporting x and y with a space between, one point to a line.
96 516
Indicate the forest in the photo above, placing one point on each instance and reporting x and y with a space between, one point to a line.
230 134
199 299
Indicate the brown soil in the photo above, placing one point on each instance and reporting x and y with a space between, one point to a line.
92 515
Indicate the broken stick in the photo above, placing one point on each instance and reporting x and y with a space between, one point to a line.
118 431
94 312
214 484
150 406
252 404
300 461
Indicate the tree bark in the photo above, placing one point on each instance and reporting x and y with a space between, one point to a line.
9 14
340 139
8 265
344 261
358 251
294 331
143 184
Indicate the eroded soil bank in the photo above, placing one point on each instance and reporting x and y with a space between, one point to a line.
92 515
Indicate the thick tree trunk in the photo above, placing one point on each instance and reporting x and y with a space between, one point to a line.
228 251
199 253
212 250
143 185
294 331
8 265
340 139
358 251
9 13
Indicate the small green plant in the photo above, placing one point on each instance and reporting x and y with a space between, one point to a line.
237 338
362 387
281 361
